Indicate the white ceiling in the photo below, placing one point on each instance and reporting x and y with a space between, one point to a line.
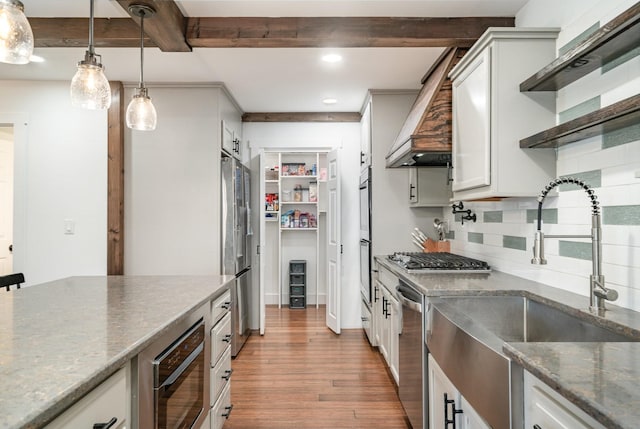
265 79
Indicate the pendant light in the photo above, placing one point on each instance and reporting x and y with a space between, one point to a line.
141 114
16 37
89 87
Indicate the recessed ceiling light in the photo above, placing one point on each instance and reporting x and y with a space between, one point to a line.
332 58
329 101
36 59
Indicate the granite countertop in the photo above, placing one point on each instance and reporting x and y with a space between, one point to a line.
599 378
58 340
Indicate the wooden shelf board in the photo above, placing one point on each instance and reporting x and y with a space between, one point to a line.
616 116
617 37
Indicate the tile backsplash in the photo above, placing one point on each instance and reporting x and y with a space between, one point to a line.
609 163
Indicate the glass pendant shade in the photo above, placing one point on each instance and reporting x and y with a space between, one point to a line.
16 37
89 87
141 114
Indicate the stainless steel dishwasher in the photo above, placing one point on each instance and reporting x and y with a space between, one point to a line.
412 355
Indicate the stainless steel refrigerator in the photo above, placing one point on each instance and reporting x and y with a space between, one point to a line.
236 244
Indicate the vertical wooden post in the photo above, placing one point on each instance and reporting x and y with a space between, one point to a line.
115 181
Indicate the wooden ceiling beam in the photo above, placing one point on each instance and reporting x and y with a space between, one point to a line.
306 32
249 32
166 28
74 33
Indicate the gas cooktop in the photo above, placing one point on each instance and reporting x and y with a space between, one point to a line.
438 262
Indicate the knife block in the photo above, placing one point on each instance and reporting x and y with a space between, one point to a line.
436 246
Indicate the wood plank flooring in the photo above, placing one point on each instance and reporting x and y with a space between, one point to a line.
301 375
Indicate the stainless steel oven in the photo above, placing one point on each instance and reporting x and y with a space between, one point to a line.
179 381
173 375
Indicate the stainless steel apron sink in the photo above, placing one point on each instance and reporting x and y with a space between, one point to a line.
465 335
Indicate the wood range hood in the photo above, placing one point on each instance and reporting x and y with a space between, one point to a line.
425 137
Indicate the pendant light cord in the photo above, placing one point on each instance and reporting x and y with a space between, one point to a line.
91 28
142 49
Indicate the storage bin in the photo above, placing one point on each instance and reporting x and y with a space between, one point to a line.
296 279
297 291
297 302
297 266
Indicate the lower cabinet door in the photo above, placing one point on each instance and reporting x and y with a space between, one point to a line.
444 399
105 403
220 375
221 409
546 409
220 338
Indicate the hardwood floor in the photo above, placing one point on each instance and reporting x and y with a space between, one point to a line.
301 375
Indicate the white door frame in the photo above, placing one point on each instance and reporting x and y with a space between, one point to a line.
19 121
334 243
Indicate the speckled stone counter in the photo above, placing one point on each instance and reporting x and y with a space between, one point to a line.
58 340
600 378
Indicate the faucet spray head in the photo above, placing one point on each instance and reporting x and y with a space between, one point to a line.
538 249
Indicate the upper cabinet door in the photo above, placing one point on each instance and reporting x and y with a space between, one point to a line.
471 125
365 138
228 145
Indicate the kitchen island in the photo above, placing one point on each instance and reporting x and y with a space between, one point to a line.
59 340
600 379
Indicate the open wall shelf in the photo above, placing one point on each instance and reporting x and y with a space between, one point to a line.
616 116
617 37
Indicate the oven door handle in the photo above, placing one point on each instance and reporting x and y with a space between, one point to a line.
183 366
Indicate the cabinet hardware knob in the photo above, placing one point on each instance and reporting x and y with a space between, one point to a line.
227 374
106 425
228 413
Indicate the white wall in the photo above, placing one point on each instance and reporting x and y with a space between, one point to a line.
172 185
61 173
296 136
613 170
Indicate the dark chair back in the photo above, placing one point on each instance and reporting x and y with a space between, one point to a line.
11 279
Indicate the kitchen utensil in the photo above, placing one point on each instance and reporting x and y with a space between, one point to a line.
421 234
442 227
418 244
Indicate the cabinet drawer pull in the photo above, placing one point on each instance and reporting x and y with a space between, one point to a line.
536 427
226 305
448 421
228 413
227 338
411 196
106 425
227 374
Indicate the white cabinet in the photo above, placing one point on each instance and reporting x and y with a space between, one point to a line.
387 314
103 404
491 115
365 136
220 360
447 408
221 409
546 409
231 128
429 187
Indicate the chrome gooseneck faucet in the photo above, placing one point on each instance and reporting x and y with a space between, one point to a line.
598 293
